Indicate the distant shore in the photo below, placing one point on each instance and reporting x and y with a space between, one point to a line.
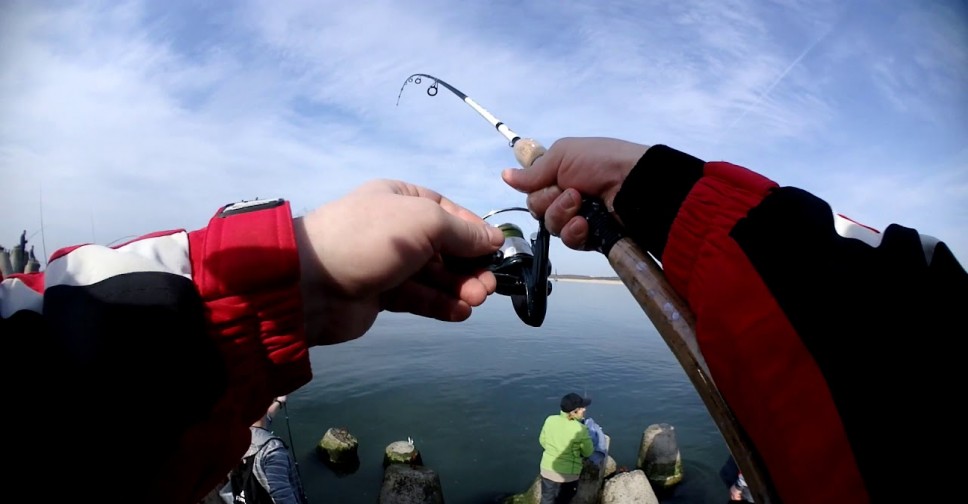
586 279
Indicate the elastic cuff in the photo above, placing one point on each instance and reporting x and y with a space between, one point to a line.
246 268
245 252
652 193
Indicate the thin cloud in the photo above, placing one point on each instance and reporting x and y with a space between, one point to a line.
779 79
139 116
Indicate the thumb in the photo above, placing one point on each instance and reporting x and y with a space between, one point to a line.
543 173
465 238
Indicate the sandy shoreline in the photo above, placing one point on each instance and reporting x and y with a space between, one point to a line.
613 281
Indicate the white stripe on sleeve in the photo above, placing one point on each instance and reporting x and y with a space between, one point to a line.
16 296
91 264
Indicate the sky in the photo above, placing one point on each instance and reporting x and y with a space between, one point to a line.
123 118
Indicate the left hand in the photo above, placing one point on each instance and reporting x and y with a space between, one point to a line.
379 248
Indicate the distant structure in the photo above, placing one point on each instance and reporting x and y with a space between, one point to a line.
18 260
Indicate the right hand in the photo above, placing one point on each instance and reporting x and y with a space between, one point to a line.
573 168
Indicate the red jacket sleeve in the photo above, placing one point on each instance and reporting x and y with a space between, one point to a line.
165 348
806 320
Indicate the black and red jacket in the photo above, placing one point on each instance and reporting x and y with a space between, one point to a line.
834 345
142 366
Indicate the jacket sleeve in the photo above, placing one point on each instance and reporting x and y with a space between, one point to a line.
597 434
586 446
280 471
811 324
183 337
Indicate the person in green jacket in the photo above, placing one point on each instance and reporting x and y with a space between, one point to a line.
566 444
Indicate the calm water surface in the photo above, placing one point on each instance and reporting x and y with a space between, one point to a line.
473 396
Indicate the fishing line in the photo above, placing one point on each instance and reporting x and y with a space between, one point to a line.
295 459
43 236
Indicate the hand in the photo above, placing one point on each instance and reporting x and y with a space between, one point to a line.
277 404
573 167
379 248
735 494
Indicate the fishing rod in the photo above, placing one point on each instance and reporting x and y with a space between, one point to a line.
521 268
644 278
292 453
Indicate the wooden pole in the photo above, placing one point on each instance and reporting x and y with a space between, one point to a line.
676 324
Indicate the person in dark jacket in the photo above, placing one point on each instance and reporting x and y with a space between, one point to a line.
812 325
273 464
736 487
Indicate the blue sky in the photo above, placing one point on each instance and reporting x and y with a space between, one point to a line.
122 118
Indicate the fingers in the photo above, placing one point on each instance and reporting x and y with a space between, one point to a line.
561 210
596 167
575 233
439 293
426 301
450 228
473 289
449 206
407 189
462 237
540 200
459 211
561 215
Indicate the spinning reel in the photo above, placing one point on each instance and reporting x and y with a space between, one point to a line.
521 267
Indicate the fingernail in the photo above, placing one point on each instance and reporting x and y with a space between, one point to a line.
508 175
569 227
570 202
496 235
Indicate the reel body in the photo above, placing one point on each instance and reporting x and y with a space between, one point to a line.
521 267
522 273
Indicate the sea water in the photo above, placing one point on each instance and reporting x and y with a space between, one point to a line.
473 396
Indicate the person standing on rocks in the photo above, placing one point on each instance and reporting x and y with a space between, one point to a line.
566 444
